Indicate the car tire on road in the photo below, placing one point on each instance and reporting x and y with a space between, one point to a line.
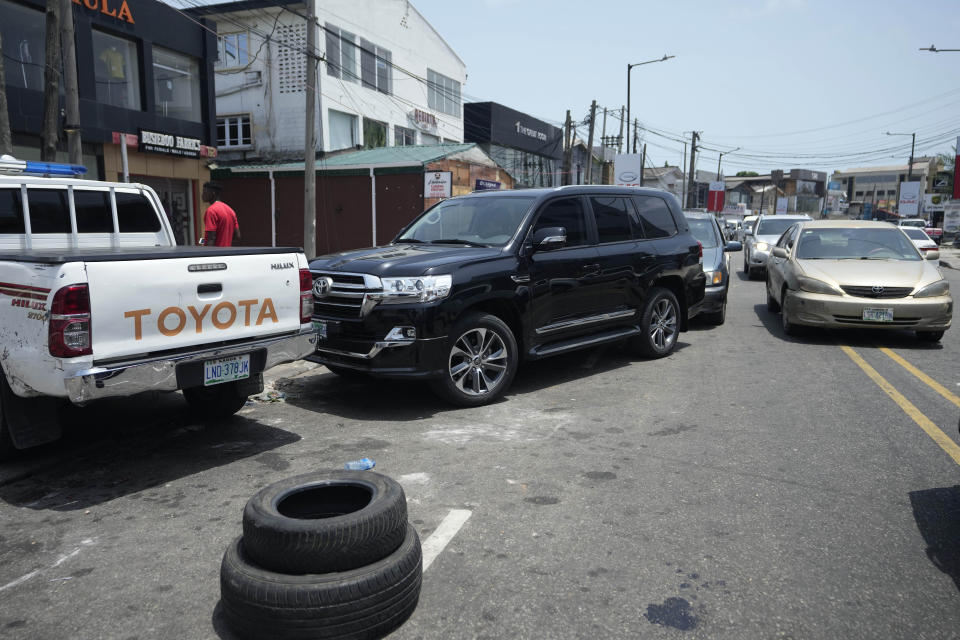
215 402
366 602
659 324
7 450
481 361
929 336
325 521
789 328
772 305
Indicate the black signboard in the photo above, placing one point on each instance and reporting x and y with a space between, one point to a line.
487 185
489 122
168 144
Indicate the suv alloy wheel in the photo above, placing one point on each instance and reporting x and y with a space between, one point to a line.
481 361
659 324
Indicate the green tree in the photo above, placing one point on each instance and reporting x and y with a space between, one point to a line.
747 174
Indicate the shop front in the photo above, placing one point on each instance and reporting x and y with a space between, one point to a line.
146 94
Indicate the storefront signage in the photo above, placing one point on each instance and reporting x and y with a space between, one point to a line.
119 11
524 130
487 185
626 169
806 187
909 204
169 144
489 122
437 184
423 120
716 196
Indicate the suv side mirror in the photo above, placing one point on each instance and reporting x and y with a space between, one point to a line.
549 238
733 245
779 252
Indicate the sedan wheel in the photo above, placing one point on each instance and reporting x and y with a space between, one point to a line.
789 328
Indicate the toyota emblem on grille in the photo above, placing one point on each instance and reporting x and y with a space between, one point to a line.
877 290
322 286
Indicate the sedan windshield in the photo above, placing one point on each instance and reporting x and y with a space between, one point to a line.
478 221
774 227
704 230
855 244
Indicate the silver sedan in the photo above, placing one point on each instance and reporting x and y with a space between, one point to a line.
850 274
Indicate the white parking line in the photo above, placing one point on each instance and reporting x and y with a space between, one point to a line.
19 580
439 539
60 561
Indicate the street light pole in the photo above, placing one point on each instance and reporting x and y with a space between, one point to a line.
913 142
629 69
720 157
933 49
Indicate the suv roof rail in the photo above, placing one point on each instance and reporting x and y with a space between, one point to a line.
10 165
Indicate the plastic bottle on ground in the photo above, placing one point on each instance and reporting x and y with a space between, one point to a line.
360 465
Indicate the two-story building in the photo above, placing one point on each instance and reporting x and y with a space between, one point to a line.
385 78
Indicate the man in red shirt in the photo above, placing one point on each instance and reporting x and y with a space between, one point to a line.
220 225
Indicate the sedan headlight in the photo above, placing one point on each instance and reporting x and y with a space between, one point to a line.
938 288
713 277
812 285
418 289
761 246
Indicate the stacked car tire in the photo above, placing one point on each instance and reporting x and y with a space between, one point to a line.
323 555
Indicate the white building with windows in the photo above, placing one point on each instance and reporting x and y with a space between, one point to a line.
386 78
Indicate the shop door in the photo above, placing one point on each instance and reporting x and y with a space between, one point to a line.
174 195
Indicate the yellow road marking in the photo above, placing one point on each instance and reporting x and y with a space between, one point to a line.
938 436
924 378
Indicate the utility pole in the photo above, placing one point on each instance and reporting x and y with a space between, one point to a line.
310 140
913 141
567 150
636 124
683 170
643 162
692 195
72 125
603 135
51 85
593 118
6 144
620 137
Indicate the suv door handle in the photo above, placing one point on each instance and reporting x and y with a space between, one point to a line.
590 269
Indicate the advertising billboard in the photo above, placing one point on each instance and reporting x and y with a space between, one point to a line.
627 169
909 204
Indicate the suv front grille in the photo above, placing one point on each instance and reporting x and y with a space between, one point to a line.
884 292
346 296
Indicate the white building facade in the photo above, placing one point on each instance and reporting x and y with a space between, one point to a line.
386 78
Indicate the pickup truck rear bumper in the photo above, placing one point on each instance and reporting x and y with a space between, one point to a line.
160 374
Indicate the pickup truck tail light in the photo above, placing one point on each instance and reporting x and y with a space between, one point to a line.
700 251
69 328
306 296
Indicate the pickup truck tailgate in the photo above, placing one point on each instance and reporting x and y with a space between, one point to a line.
157 305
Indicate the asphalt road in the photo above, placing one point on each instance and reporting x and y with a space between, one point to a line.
748 486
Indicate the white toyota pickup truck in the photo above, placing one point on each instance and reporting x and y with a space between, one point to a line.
97 301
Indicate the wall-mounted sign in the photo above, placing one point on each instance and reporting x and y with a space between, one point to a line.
169 144
437 184
487 185
806 187
423 120
119 10
489 122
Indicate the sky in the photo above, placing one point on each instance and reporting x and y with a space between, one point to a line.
794 83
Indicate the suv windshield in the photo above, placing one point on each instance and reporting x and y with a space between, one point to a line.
855 244
487 221
703 230
774 226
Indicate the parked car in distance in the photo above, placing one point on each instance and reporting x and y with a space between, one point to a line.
745 226
856 274
716 263
480 282
920 240
935 233
765 233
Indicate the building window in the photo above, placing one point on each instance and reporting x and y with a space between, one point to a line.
443 93
343 130
859 194
232 50
233 131
22 30
374 133
403 137
117 71
176 85
342 53
426 138
376 68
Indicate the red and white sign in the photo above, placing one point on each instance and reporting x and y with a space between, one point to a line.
718 192
956 172
437 184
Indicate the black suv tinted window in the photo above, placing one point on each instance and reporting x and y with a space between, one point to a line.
11 213
93 211
613 216
135 214
567 213
655 217
49 211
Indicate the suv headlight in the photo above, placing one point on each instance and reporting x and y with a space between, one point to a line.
938 288
812 285
417 289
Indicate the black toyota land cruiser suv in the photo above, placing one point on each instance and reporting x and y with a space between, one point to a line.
479 283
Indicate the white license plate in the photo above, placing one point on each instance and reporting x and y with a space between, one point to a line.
878 315
226 369
320 326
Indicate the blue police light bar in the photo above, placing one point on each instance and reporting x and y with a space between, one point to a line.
8 164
